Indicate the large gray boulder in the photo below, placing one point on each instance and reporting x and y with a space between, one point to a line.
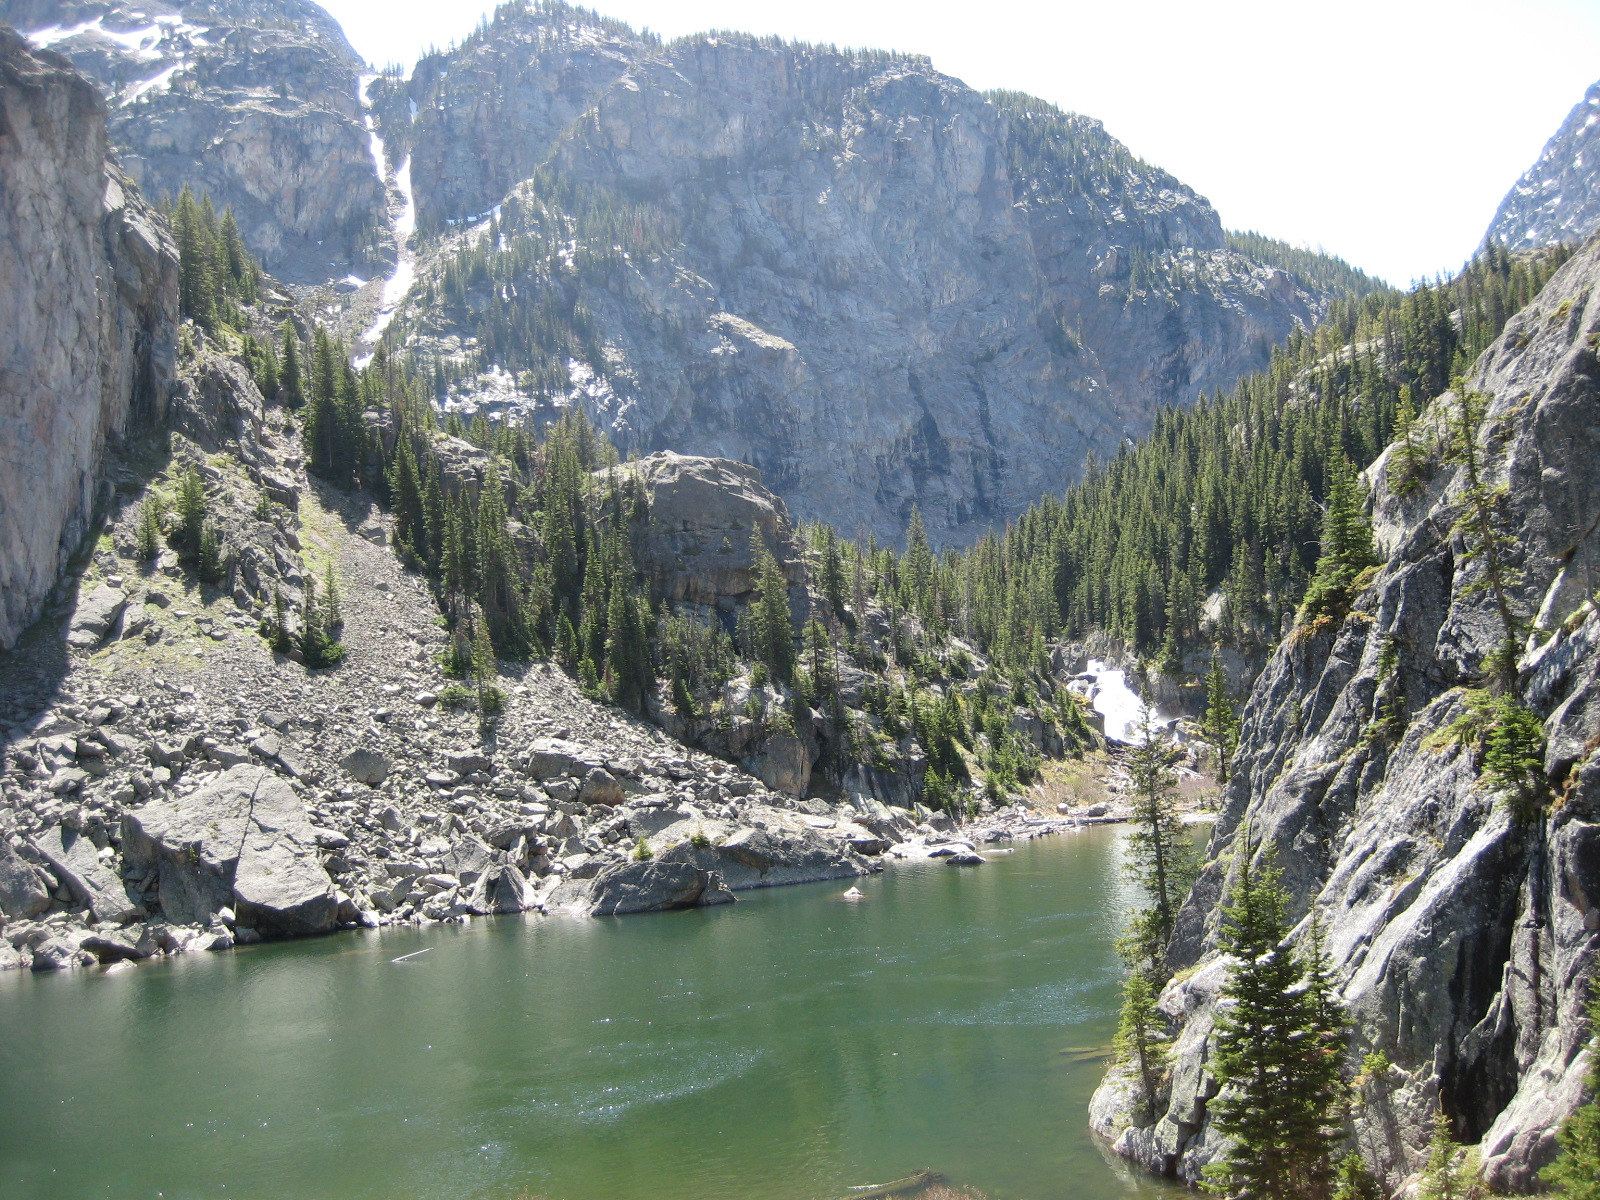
551 758
242 842
365 766
94 616
76 861
23 890
655 886
502 888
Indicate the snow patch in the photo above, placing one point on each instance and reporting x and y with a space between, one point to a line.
53 34
140 42
476 218
403 225
157 83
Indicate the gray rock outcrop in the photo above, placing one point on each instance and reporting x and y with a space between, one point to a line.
91 884
876 285
1558 199
24 892
87 349
704 860
702 511
255 105
1463 930
94 616
637 887
243 842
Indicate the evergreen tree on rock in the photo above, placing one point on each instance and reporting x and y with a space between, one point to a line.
1279 1038
1576 1174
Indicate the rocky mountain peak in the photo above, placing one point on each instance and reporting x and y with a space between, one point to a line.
255 105
726 245
1558 199
792 255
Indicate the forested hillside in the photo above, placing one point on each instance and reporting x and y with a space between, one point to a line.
1209 528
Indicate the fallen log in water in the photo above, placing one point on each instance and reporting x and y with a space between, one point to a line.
901 1187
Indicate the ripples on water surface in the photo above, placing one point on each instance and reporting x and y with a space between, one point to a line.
785 1048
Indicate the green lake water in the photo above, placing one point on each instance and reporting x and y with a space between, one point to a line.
790 1047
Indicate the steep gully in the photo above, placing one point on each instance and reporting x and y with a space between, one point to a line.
403 228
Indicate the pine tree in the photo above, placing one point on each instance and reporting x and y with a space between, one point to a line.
149 533
771 630
1353 1181
485 670
1410 463
405 492
1482 524
1279 1037
1575 1175
822 672
198 285
917 568
240 267
1160 857
628 642
208 560
189 533
1221 722
1141 1039
291 384
318 645
567 652
1451 1172
276 627
830 574
563 493
499 569
332 608
1347 548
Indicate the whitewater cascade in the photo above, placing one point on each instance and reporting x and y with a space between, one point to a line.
403 225
1119 704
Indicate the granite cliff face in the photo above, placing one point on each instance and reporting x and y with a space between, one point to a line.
1463 933
256 104
876 285
87 349
779 254
1558 200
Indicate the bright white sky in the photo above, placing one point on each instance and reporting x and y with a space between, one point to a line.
1384 131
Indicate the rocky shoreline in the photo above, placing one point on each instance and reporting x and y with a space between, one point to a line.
235 863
